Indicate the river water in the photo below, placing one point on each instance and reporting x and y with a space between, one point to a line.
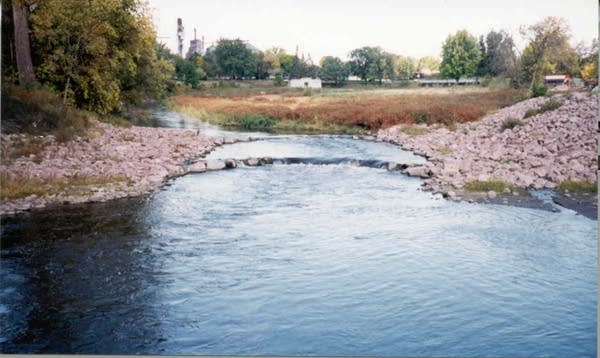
299 259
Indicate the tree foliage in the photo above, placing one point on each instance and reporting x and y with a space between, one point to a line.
234 59
372 64
362 59
548 49
98 53
334 69
406 67
460 55
428 62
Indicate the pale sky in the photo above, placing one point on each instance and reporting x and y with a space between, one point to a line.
335 27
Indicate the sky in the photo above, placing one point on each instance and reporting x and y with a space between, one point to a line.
335 27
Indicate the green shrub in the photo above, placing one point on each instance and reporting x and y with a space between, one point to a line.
495 185
510 123
279 80
420 118
538 90
308 92
255 122
550 105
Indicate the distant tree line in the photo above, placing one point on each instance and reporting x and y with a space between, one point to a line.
103 54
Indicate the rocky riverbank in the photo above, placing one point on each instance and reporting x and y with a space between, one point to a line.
524 146
107 163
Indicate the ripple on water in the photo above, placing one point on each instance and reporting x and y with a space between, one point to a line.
301 259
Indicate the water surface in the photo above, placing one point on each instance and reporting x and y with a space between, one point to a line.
299 260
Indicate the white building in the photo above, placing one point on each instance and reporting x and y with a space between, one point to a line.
306 82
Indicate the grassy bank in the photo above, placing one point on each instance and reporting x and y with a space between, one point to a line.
21 187
370 109
260 122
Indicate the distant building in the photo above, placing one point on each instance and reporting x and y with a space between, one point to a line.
426 72
557 80
196 46
306 82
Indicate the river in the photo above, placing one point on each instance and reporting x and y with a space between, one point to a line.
299 259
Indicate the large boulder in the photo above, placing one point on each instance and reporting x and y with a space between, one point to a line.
418 171
230 163
252 162
215 165
197 167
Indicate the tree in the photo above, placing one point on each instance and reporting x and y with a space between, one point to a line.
428 62
22 46
500 54
234 59
210 65
548 40
295 67
406 67
588 60
333 69
483 67
460 55
372 64
98 53
362 59
262 65
274 55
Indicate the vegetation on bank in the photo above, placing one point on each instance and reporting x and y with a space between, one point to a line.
575 186
364 111
550 105
21 187
258 122
37 111
491 185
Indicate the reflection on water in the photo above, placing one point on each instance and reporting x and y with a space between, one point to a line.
299 260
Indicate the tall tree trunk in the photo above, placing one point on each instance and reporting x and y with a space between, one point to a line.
22 47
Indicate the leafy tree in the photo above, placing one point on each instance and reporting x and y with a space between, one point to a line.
483 67
428 62
188 70
372 64
362 59
333 69
295 67
588 60
500 54
273 56
406 67
234 59
548 43
460 55
210 65
97 53
262 65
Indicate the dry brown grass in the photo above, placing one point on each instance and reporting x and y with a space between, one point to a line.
372 112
